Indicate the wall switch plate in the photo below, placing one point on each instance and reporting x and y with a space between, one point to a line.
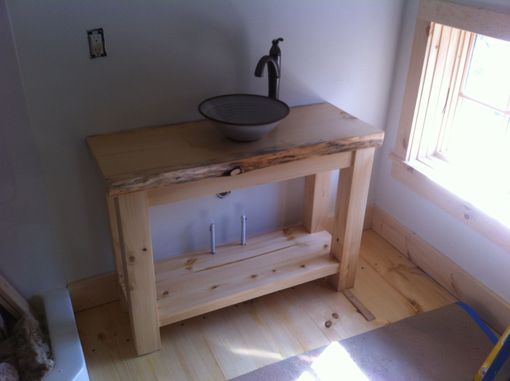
96 43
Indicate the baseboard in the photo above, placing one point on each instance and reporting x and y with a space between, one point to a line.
493 309
101 289
94 291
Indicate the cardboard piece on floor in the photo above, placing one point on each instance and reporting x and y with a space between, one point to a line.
445 344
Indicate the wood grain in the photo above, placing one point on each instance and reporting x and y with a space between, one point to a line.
239 273
94 291
493 309
238 339
183 159
350 215
316 201
281 172
412 95
138 263
116 248
159 156
399 271
474 19
100 289
423 62
360 307
423 184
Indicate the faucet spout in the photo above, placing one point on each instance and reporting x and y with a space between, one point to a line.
272 61
272 66
273 76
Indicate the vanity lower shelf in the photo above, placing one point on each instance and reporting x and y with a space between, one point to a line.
195 284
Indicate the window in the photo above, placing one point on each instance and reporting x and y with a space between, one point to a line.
455 123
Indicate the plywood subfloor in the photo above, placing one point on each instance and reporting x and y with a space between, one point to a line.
238 339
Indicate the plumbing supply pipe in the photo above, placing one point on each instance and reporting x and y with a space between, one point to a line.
212 230
243 229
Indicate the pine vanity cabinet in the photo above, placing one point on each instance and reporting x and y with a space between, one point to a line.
151 166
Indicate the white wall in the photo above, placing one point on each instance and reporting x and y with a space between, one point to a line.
473 252
27 240
164 57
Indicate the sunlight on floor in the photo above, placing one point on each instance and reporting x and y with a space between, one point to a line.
257 353
332 364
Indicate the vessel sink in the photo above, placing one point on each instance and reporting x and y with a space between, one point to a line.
244 117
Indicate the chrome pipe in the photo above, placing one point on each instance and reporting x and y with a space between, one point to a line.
243 229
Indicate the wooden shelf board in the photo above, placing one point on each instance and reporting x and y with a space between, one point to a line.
194 284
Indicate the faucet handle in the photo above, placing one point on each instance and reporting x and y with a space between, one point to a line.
275 49
277 40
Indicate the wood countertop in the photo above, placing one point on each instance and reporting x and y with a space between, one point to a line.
153 157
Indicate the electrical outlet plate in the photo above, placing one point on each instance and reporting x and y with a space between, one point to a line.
96 43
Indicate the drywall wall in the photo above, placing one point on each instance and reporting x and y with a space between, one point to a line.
164 57
473 252
27 240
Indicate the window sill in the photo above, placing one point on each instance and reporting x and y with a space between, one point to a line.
421 179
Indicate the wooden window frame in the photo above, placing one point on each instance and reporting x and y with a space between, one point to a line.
409 171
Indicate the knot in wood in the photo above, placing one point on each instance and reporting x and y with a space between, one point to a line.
236 171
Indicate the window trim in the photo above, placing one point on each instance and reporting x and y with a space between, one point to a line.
476 20
464 211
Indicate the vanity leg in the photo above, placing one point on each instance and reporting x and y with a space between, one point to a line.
138 262
317 200
117 255
351 203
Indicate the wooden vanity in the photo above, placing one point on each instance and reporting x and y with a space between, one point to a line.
152 166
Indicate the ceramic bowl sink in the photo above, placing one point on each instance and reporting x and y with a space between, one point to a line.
244 117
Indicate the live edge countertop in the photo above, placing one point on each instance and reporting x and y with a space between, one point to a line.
153 157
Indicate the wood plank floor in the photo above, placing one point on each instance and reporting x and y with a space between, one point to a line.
238 339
